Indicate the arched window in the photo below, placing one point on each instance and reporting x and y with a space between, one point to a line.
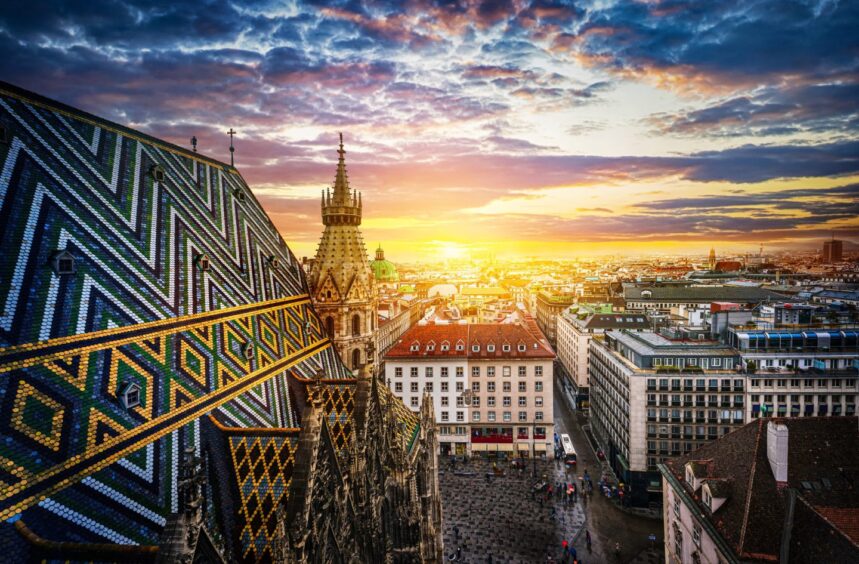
329 326
328 294
356 359
356 325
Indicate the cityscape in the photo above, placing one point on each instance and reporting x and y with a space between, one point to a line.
479 281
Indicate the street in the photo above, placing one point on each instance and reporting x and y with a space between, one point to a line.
607 523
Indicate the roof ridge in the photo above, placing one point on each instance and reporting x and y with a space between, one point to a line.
750 488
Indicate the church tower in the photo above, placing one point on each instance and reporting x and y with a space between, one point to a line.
712 260
342 286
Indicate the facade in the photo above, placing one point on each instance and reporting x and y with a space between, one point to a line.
652 397
342 285
772 491
491 385
833 251
576 326
160 355
548 306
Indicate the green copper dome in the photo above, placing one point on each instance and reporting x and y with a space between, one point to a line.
384 270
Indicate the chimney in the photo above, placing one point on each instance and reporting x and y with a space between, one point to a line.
777 450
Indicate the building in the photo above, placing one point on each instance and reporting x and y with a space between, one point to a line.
780 490
792 373
576 326
652 397
342 284
168 390
491 384
548 307
384 271
711 262
663 297
832 251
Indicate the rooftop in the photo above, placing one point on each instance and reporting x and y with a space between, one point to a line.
521 340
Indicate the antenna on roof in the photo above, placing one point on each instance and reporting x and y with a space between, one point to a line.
232 149
194 143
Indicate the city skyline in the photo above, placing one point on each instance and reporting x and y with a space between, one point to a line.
518 129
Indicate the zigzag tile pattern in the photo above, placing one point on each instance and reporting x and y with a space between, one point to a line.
161 238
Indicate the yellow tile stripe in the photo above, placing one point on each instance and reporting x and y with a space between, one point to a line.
144 434
187 322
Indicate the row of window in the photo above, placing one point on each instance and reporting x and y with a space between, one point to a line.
506 401
522 386
808 398
806 382
677 384
428 387
460 346
505 416
684 361
475 371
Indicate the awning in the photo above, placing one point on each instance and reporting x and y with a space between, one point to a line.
523 447
539 447
478 447
505 447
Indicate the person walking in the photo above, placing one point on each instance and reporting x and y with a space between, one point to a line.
456 533
588 539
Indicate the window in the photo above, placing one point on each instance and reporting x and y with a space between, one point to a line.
444 372
475 371
490 416
356 325
490 401
428 371
413 386
475 348
490 371
523 416
696 534
507 416
460 346
445 416
538 416
506 401
490 386
459 401
521 347
444 386
708 499
460 371
413 371
717 362
538 386
475 387
505 348
475 401
538 371
398 371
131 396
431 346
414 401
460 416
490 348
522 371
678 542
523 401
398 386
523 386
414 346
677 507
538 401
505 371
445 346
475 416
428 387
505 387
459 386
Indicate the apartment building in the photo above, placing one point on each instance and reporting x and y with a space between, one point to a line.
549 305
491 385
793 373
576 326
652 397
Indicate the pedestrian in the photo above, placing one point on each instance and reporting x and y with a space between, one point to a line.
564 546
458 552
456 532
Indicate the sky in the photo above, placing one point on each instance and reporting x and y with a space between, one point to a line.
517 128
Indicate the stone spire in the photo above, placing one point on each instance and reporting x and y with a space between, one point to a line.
343 207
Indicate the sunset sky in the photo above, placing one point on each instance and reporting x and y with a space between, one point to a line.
518 127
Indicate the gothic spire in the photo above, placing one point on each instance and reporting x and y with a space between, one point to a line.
341 180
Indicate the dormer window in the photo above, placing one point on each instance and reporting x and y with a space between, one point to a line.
522 347
248 351
239 194
475 348
416 346
273 261
63 262
445 346
490 348
202 262
708 499
157 173
505 348
130 395
431 346
460 346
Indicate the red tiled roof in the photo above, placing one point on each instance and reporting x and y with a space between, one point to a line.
845 519
482 334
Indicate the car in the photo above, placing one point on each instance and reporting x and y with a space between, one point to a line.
600 454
